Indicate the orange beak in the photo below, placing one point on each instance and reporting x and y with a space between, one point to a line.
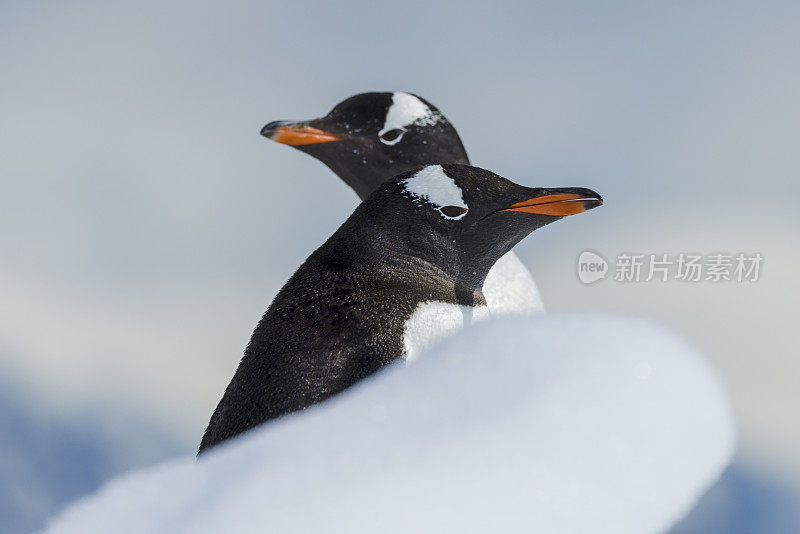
557 205
296 134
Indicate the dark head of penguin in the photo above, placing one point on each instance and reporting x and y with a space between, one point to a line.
372 136
460 219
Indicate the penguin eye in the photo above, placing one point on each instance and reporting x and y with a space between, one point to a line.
391 137
452 211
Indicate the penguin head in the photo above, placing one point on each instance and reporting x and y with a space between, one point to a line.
462 219
372 136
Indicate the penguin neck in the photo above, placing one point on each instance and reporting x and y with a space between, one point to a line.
471 297
467 285
361 185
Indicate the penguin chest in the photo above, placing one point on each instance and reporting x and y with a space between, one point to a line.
434 320
509 288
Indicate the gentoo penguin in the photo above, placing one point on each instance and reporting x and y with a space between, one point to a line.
371 137
405 269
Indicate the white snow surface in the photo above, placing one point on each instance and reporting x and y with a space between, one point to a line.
431 184
548 423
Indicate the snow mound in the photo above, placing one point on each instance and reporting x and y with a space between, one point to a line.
557 424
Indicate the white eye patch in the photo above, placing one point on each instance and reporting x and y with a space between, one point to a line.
406 110
432 185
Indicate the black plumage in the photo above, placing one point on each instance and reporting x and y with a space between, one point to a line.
341 316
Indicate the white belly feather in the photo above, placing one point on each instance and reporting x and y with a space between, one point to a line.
509 289
434 320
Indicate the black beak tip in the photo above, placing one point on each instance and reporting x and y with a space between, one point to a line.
272 127
593 199
269 130
588 193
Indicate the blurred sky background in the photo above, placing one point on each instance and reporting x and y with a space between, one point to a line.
145 225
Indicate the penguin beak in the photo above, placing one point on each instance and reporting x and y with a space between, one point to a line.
559 202
296 133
